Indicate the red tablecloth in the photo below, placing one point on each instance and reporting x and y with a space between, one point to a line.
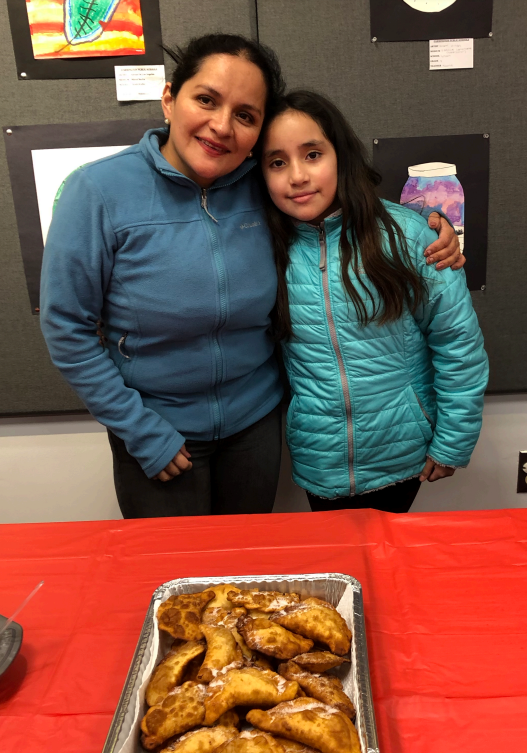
445 597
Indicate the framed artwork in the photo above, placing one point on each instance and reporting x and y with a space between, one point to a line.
411 20
40 158
448 173
83 38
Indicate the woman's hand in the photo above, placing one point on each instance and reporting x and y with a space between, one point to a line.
176 467
432 471
445 249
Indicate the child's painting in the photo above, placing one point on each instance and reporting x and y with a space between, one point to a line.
411 20
52 167
430 6
435 185
54 39
40 159
449 174
85 28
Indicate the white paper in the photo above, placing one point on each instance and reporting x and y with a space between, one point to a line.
139 82
451 53
52 166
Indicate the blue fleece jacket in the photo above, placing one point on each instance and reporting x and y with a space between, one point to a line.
183 280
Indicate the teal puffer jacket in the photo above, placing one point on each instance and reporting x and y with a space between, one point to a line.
369 403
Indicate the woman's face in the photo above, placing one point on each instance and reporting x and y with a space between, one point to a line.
300 167
215 119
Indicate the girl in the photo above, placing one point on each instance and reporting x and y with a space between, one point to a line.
384 354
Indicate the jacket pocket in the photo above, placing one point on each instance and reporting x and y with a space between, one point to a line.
420 414
289 418
125 357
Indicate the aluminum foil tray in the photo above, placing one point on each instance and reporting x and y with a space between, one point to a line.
342 591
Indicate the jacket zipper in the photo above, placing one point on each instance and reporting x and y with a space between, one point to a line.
120 345
336 348
220 271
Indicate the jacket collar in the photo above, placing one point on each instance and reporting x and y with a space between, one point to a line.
150 147
332 223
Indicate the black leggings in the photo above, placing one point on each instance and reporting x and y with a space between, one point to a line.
396 498
238 474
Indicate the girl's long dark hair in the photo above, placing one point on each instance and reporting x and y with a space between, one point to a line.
364 221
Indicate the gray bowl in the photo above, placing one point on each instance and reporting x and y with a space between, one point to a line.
10 643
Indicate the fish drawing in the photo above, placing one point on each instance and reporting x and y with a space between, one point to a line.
85 20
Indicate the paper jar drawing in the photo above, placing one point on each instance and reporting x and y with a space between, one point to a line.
85 28
436 185
430 6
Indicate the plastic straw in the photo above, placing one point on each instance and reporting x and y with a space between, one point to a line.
21 607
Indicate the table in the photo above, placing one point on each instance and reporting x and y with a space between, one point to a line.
445 598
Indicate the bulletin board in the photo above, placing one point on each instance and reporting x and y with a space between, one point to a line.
385 89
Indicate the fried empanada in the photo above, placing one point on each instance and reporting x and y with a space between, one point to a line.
252 658
327 689
260 661
222 651
192 669
182 709
318 661
311 723
264 601
258 613
291 746
203 740
221 597
272 639
318 620
228 719
246 687
181 615
252 741
170 671
220 617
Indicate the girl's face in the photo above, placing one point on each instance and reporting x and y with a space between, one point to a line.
215 119
300 167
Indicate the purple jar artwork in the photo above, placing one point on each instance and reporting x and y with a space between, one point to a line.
435 185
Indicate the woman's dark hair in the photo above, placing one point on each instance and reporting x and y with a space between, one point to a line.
364 222
190 58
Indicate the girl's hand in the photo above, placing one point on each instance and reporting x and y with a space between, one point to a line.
432 471
445 249
176 467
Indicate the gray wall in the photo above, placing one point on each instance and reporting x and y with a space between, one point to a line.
386 90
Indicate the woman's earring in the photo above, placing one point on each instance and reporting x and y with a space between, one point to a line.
250 154
167 121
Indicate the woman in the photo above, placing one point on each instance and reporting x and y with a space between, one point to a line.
166 242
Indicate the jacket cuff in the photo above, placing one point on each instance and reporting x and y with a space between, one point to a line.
161 462
446 465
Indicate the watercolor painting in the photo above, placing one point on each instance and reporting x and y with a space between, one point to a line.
429 6
85 28
436 185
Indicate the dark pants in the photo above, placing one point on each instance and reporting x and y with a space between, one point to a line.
395 498
238 474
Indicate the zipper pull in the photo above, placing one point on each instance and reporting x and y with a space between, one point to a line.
204 204
323 247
